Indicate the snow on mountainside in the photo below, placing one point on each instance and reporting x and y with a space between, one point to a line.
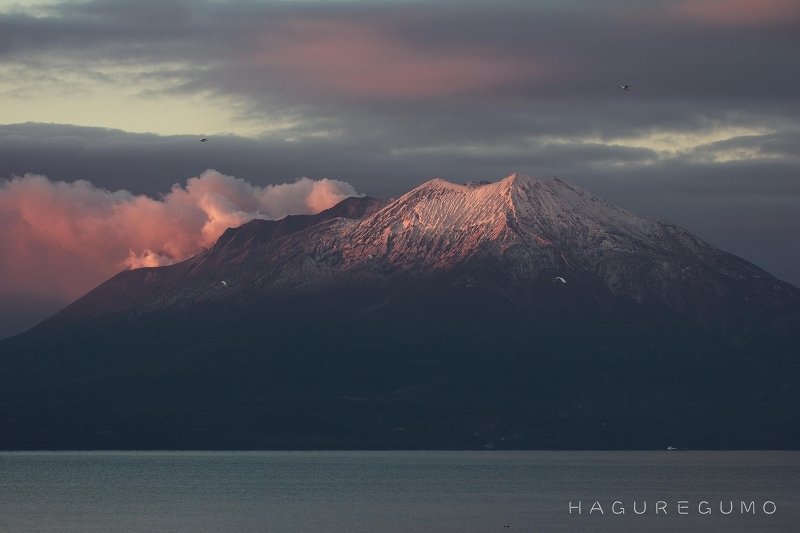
514 236
519 314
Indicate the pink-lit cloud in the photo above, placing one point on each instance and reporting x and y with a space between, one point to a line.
738 12
357 59
61 239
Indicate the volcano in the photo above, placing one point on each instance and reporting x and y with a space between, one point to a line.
521 314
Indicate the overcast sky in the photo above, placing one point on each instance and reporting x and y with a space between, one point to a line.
376 97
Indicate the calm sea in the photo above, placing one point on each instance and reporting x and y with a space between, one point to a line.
385 492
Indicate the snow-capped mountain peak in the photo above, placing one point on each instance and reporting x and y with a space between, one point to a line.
514 236
520 309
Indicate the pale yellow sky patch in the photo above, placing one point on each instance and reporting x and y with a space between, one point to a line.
33 7
674 142
666 144
735 154
120 97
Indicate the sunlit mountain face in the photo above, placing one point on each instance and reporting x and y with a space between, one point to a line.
518 314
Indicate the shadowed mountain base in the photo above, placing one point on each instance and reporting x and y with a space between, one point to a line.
433 368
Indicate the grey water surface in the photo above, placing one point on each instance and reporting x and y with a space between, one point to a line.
387 492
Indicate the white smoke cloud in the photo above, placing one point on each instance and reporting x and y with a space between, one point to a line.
61 239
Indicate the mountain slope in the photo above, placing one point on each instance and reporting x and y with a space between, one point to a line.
518 314
515 237
134 287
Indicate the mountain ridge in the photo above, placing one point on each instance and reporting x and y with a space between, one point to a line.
139 282
521 314
513 235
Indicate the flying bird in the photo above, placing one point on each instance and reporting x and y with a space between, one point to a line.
226 283
559 278
625 87
203 140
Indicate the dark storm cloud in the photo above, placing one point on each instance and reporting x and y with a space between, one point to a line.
150 164
423 75
327 58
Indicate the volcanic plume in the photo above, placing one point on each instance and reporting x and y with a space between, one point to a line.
60 240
